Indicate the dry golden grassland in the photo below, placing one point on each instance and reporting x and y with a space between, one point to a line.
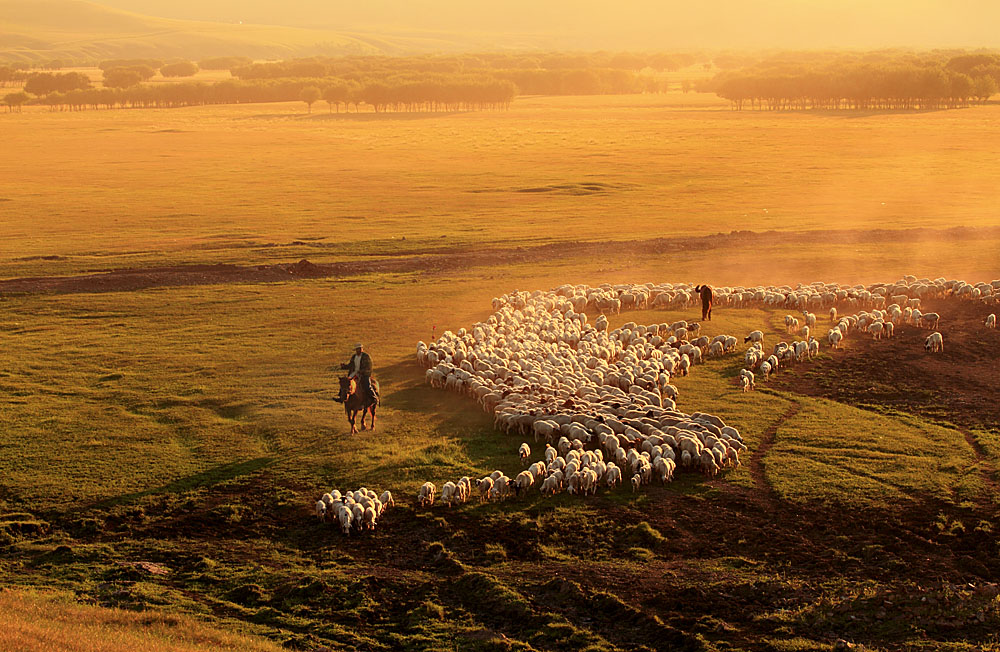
144 187
55 621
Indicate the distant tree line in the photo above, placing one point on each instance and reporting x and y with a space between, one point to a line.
901 83
547 74
452 94
357 67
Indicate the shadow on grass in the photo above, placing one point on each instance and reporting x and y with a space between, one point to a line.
206 478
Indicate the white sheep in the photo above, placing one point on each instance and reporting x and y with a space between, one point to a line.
991 321
425 496
524 451
485 486
813 347
930 320
448 490
613 477
344 517
754 336
369 518
386 499
321 510
934 343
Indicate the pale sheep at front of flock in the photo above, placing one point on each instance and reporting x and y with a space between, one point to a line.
354 510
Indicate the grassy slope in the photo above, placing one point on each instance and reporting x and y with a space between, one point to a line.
54 620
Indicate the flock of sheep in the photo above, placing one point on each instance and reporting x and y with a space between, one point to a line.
601 399
355 510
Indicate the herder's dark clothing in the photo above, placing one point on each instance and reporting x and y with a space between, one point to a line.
360 365
706 301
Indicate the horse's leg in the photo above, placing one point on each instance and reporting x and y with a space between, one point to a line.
364 414
350 417
373 415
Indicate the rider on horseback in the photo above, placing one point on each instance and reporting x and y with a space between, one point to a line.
360 367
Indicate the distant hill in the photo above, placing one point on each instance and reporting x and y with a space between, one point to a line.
41 30
624 24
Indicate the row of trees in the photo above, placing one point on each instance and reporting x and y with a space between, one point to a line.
529 81
43 83
466 94
357 67
859 86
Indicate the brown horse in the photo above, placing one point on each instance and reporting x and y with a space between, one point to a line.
357 401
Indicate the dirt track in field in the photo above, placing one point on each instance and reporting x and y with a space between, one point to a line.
457 258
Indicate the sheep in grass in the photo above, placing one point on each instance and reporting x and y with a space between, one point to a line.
934 343
425 497
613 477
551 486
523 482
754 336
485 486
524 452
636 482
369 518
386 500
929 320
664 468
991 321
344 517
448 490
320 510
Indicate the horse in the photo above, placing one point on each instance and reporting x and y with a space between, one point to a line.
355 401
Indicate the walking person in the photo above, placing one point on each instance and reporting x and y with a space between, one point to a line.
706 301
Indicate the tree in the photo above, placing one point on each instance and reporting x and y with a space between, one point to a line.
122 77
43 83
309 95
224 63
179 69
984 87
335 94
14 101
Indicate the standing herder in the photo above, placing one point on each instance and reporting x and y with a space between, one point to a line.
360 367
706 301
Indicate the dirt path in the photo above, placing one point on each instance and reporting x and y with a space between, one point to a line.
766 441
986 467
453 258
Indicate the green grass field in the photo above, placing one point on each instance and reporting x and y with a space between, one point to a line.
192 427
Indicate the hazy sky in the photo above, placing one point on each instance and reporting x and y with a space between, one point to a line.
636 24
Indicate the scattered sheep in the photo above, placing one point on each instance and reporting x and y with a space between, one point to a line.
934 343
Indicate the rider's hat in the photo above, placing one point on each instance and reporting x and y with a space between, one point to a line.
358 345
